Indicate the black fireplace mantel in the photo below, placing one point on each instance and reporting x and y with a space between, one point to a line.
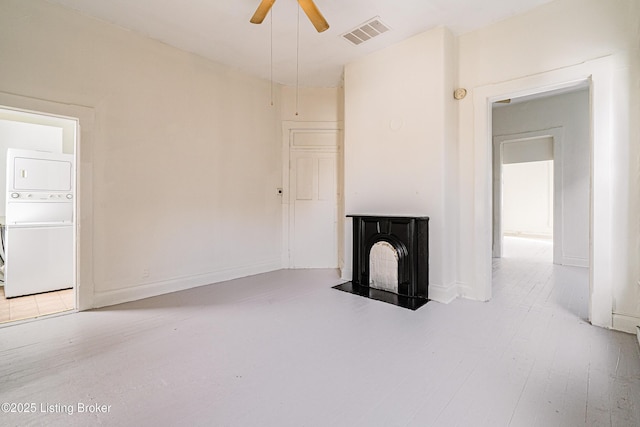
409 236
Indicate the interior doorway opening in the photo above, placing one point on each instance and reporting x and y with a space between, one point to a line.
597 75
541 173
527 199
38 164
527 206
542 188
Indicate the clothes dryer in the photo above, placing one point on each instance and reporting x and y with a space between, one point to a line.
39 222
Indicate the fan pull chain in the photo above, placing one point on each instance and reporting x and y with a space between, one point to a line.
271 60
297 59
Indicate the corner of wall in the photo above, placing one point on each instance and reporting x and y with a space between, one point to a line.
624 323
443 293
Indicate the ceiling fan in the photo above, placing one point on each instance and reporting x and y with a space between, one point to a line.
309 7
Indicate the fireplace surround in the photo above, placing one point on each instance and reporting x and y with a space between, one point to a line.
409 237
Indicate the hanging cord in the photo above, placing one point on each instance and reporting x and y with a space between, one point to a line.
297 58
271 59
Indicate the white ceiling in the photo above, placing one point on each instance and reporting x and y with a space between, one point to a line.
220 29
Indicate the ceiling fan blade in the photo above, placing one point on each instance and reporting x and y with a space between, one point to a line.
314 15
261 11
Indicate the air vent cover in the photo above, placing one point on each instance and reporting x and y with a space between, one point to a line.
370 29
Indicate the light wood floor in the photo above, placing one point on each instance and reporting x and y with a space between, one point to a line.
284 349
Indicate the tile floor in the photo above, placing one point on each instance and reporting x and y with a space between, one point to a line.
30 306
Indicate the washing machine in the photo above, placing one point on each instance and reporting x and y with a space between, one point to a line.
39 223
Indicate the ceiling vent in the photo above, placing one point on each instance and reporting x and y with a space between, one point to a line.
370 29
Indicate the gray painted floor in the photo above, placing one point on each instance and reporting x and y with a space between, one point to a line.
284 349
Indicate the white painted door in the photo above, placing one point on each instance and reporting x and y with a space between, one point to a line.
313 226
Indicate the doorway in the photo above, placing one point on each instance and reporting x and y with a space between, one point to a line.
38 257
598 76
542 172
527 209
525 202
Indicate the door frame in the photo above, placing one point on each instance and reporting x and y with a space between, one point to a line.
84 117
556 134
289 130
598 74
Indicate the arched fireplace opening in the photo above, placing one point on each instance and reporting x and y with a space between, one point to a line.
383 267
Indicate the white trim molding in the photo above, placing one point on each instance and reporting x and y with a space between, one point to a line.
624 323
557 134
443 293
147 290
598 74
85 117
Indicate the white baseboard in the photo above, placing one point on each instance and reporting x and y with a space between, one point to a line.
443 293
575 262
346 274
118 296
466 291
625 323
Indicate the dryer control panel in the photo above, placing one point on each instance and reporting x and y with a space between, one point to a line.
40 196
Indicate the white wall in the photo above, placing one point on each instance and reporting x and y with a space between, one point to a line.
185 153
68 126
527 199
570 112
574 32
26 136
400 143
313 104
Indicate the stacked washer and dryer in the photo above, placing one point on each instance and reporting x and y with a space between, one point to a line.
38 226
